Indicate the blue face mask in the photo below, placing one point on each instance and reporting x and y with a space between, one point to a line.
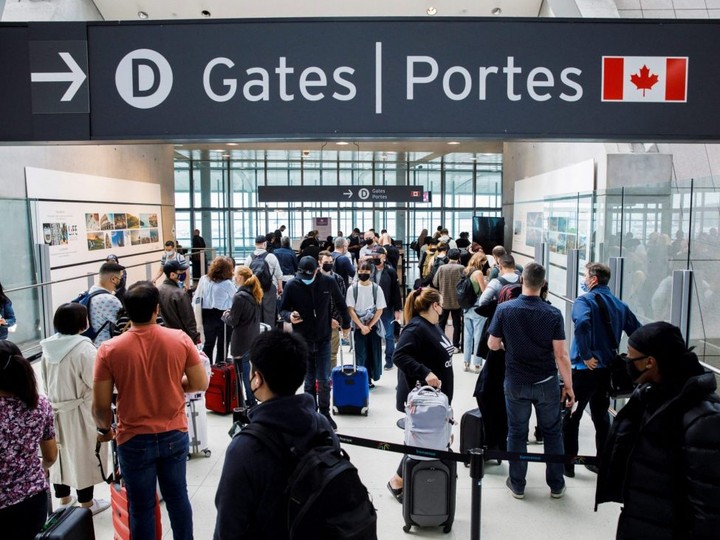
181 277
584 286
308 281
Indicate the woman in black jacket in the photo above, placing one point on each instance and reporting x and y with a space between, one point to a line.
662 457
423 353
244 318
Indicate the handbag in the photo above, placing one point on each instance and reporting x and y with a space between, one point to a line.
621 385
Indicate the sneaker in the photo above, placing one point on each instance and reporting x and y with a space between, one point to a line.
371 384
558 494
73 500
593 468
516 494
330 419
538 435
569 471
387 368
99 505
458 350
467 366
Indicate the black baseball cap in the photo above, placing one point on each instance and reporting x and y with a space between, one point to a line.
260 239
307 267
175 266
378 250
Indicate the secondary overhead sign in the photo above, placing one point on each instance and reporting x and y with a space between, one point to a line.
398 194
564 79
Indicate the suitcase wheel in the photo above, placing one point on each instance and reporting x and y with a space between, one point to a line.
335 410
447 528
365 412
406 528
206 452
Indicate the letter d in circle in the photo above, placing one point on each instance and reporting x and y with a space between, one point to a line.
144 78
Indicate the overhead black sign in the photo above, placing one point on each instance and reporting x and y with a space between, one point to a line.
355 78
398 194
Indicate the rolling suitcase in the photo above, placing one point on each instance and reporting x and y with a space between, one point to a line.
472 434
429 489
350 390
221 394
197 416
121 513
71 523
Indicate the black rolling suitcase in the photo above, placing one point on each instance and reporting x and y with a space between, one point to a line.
71 523
429 489
472 434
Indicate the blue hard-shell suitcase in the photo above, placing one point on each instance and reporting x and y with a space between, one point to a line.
351 393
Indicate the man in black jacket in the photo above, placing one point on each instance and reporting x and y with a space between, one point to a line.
662 457
250 497
306 305
386 277
175 307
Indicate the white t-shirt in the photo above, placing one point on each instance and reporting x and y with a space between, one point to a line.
364 297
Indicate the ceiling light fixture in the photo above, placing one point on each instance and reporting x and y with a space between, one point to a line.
431 11
453 142
496 11
342 143
232 144
142 15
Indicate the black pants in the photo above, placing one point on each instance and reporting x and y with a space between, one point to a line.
216 332
84 495
590 386
22 521
457 324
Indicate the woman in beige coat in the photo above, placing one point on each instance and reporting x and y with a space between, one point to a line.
67 371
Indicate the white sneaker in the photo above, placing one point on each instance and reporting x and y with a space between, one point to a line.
99 505
558 494
73 500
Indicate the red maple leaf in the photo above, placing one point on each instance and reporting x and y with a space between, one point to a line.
644 81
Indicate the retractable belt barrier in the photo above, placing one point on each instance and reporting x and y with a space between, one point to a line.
475 458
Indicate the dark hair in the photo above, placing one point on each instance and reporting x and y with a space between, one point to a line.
170 243
17 375
507 261
70 319
366 266
324 253
141 300
442 246
3 296
600 271
108 269
281 358
533 276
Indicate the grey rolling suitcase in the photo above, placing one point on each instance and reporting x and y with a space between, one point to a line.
429 489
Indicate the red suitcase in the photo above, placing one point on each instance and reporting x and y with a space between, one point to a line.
121 514
221 395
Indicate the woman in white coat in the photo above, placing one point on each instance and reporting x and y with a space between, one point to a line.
67 371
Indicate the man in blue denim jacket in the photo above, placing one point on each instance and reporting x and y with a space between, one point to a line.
591 352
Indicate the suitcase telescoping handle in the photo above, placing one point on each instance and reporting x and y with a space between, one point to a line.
342 358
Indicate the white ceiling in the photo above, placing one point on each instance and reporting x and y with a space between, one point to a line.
222 9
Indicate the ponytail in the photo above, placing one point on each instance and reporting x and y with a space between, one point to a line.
419 300
250 281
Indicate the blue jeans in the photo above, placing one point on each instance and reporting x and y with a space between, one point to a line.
387 318
473 334
318 369
146 460
244 373
545 396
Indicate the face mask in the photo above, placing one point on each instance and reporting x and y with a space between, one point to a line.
369 241
584 286
327 267
633 371
308 281
431 251
363 277
181 277
377 262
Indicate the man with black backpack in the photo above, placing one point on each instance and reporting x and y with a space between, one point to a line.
101 303
278 480
508 275
266 267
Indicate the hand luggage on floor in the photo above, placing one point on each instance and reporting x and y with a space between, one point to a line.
471 431
197 424
121 513
428 419
71 523
350 390
429 489
221 394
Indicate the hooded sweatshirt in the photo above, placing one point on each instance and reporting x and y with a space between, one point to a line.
249 499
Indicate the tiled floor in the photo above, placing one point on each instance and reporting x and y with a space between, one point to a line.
503 517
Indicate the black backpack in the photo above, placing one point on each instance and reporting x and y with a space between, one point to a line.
84 299
509 291
466 295
261 270
325 498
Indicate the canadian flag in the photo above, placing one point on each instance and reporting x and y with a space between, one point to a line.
653 79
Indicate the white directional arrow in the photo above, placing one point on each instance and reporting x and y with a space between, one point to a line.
75 76
349 193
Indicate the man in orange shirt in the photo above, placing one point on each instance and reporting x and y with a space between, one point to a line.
152 367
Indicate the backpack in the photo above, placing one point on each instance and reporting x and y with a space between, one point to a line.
509 291
374 293
325 497
428 419
466 295
84 299
261 270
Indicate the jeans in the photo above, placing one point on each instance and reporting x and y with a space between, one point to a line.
157 458
317 370
590 386
242 369
457 324
387 318
545 396
473 334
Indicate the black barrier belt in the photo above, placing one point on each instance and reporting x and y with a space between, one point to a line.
467 456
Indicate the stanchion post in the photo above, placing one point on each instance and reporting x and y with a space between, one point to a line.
477 471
